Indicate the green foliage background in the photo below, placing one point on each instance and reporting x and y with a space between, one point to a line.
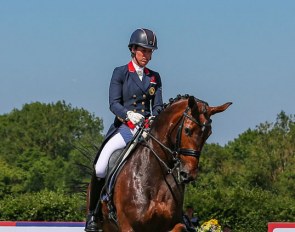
250 181
41 147
244 184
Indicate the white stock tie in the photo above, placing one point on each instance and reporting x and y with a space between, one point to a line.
140 74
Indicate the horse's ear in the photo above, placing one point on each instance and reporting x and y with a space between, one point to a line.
191 101
218 109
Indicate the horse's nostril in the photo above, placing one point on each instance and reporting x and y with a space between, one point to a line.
184 175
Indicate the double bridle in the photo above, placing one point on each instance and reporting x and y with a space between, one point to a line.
178 150
188 151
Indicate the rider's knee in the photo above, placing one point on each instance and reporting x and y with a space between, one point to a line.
99 172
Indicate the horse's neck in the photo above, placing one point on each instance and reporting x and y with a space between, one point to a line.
164 129
164 124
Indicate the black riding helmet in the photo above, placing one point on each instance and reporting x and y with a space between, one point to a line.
144 38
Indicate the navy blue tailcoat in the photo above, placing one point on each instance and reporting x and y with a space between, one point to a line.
128 93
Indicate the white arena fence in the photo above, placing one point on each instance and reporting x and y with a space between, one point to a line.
19 226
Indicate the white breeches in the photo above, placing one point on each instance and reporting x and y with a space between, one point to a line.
114 143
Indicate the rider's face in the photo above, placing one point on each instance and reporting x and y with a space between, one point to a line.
142 55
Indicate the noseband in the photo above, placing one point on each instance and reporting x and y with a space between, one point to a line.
188 151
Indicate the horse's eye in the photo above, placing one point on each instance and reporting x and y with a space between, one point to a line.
187 131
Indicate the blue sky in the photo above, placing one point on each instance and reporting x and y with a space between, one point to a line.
218 51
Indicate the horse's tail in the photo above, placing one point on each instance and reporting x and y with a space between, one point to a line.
85 166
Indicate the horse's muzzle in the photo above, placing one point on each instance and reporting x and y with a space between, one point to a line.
185 177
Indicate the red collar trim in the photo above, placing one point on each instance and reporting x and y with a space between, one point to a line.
132 69
146 71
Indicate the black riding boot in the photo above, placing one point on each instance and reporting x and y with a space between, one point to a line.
95 214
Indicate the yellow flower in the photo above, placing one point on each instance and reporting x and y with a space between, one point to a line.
210 226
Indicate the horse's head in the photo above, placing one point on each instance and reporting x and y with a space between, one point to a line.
184 126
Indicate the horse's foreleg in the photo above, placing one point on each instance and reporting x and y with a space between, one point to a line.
179 228
124 223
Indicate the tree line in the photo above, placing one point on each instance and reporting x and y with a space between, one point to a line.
44 160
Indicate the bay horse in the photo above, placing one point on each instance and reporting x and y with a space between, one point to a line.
149 191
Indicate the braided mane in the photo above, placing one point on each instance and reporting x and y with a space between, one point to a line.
180 97
177 98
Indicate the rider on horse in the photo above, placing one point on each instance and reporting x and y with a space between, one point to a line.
135 93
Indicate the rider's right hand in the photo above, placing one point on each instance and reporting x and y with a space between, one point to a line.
135 118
